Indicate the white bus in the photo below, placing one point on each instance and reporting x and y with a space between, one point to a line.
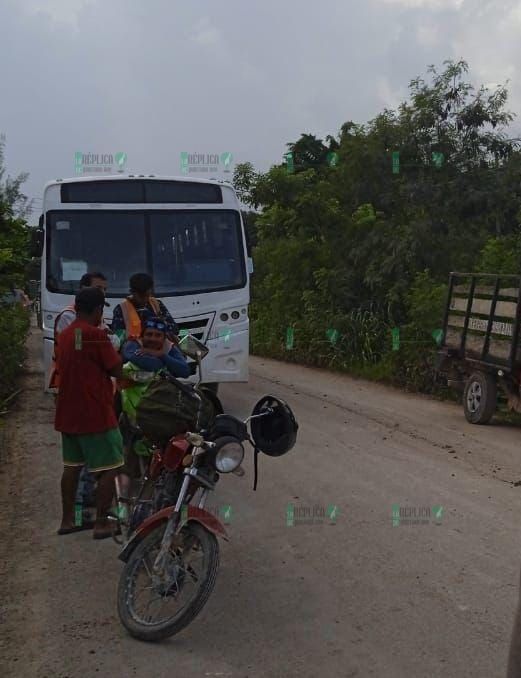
187 233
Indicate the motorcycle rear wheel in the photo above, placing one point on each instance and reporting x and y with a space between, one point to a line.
141 561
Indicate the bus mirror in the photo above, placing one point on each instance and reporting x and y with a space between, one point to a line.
36 244
250 265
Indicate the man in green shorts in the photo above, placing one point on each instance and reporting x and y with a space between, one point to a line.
85 413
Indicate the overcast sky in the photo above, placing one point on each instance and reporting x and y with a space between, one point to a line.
153 78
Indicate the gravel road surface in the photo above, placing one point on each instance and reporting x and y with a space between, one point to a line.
341 592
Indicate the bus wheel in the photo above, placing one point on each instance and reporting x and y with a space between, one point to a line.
480 398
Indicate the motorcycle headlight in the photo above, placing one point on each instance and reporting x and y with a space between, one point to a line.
229 454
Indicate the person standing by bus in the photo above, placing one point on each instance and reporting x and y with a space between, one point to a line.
68 316
86 485
129 316
85 414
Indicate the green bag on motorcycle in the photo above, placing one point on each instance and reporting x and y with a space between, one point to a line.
137 383
168 408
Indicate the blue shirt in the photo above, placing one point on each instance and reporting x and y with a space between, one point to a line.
174 361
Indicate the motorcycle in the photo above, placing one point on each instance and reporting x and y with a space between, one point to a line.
172 558
156 479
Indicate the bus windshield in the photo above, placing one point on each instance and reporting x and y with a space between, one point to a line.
186 251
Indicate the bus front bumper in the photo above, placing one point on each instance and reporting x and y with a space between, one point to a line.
227 359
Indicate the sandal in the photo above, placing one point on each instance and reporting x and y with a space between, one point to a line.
76 528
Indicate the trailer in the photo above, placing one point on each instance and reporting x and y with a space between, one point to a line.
480 353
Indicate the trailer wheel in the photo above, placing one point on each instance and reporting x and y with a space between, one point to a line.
480 398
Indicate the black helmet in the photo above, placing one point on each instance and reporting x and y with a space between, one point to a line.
276 432
227 425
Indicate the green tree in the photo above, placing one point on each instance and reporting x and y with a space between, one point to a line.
501 255
11 187
14 256
347 246
244 179
14 244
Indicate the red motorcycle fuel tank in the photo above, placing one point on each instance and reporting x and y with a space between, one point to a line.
174 453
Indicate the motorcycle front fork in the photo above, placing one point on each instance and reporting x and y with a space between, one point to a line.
171 526
173 523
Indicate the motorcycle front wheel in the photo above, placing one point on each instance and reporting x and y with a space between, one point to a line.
153 608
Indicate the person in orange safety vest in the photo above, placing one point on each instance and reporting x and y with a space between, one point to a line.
129 316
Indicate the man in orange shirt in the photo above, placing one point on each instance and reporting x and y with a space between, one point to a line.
86 360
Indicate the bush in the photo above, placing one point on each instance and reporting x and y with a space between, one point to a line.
14 258
13 330
501 255
360 341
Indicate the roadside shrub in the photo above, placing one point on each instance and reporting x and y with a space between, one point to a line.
13 330
501 255
360 341
413 364
14 258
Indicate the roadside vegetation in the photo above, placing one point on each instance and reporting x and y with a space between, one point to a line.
354 236
14 260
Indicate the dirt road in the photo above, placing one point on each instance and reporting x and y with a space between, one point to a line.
345 595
